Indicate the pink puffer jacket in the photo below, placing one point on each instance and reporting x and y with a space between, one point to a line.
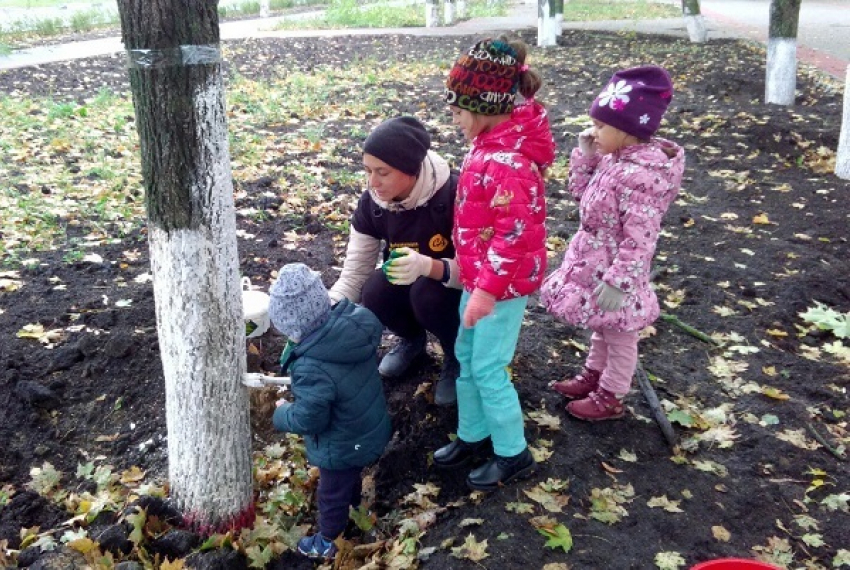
500 209
622 197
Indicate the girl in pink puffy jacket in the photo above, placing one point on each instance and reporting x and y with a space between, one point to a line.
624 179
500 243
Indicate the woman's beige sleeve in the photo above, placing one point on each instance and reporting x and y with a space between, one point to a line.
361 258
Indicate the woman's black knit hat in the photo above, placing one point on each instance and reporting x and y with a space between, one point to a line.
401 142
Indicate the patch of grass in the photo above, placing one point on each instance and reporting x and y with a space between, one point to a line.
48 26
87 20
252 7
33 3
353 14
591 10
79 21
5 49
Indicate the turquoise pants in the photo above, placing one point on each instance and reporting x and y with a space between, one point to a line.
487 402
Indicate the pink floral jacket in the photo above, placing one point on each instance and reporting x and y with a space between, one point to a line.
500 207
622 197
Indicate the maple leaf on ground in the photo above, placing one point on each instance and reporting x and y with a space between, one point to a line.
664 503
545 420
558 536
669 560
471 549
553 503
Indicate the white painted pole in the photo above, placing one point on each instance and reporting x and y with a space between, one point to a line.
431 20
842 161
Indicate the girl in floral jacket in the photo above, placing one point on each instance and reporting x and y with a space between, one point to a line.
500 242
624 179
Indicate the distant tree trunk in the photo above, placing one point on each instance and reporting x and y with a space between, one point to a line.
781 79
449 12
694 21
178 93
460 12
559 16
544 35
431 20
264 8
842 161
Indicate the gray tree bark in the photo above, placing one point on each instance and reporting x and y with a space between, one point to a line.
178 93
694 21
781 78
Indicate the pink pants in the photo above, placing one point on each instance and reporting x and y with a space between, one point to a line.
614 354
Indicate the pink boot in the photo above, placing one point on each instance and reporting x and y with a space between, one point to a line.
599 405
580 385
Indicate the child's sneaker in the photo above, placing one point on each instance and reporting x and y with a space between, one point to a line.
580 385
599 405
317 546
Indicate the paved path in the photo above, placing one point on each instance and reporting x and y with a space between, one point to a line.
822 38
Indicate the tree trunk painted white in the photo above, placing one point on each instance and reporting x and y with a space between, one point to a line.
264 8
449 12
431 19
545 37
842 160
191 216
559 23
781 80
461 9
697 31
694 21
781 70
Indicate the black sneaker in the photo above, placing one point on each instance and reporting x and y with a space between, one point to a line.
398 360
460 452
501 471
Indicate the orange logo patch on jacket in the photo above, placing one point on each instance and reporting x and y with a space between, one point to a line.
438 243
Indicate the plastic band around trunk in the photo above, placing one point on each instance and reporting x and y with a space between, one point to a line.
169 57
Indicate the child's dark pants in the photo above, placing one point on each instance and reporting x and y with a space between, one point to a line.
339 489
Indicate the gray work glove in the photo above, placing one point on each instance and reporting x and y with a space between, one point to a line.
609 298
587 141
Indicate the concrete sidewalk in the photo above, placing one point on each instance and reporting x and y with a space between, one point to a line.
747 19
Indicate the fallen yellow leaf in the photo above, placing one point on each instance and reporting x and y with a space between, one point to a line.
721 533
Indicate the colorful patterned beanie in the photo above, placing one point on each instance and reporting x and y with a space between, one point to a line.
299 303
485 79
634 100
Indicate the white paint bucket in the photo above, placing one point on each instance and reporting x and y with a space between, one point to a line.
255 310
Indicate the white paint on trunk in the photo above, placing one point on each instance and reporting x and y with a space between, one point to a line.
431 20
552 29
264 8
461 9
842 161
202 336
449 12
545 34
781 80
559 23
696 28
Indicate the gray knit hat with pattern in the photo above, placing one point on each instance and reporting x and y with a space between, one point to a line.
299 303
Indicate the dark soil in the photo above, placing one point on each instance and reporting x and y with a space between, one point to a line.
58 404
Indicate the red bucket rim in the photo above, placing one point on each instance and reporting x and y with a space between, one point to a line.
742 564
